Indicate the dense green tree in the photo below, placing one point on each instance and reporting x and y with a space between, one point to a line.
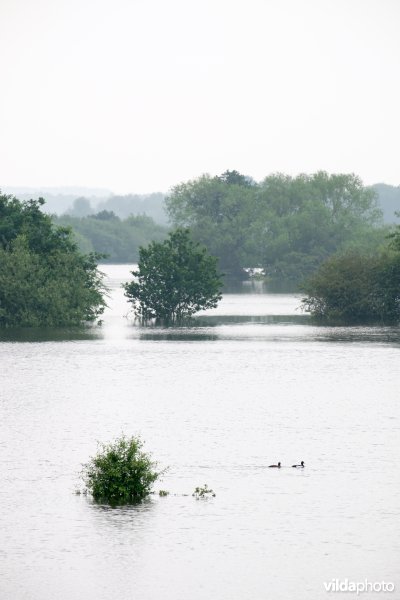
313 216
356 288
120 473
44 279
235 178
310 217
174 279
26 218
394 238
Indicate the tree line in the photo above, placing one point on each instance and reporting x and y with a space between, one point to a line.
285 225
45 280
117 240
322 232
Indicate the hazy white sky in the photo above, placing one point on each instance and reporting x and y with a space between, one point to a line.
138 95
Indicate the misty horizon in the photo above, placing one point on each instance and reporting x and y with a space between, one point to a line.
130 97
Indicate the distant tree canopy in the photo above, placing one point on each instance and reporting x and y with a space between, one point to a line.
119 239
81 207
174 279
221 215
44 279
137 204
286 225
389 201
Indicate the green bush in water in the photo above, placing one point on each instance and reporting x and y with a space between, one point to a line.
203 492
120 473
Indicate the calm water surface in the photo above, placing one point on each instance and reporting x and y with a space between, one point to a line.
251 383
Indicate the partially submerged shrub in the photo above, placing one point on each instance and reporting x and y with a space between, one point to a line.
203 492
120 473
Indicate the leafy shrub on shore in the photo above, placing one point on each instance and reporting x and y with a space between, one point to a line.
120 473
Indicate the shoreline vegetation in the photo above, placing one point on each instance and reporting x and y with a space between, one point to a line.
320 234
45 281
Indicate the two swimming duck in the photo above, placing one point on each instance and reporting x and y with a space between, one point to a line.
278 466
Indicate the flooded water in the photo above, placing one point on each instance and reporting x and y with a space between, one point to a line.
250 384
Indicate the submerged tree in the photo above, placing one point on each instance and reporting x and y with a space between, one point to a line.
120 473
175 279
356 288
44 279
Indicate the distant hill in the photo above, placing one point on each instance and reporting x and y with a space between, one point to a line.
389 201
73 191
136 204
58 199
80 201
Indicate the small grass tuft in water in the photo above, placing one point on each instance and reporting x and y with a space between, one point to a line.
203 492
120 473
163 493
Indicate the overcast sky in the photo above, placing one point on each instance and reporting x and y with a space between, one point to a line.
138 95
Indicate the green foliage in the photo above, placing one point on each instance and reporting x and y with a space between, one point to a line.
120 473
356 288
235 178
286 225
175 279
27 219
107 234
203 492
44 280
220 212
394 238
